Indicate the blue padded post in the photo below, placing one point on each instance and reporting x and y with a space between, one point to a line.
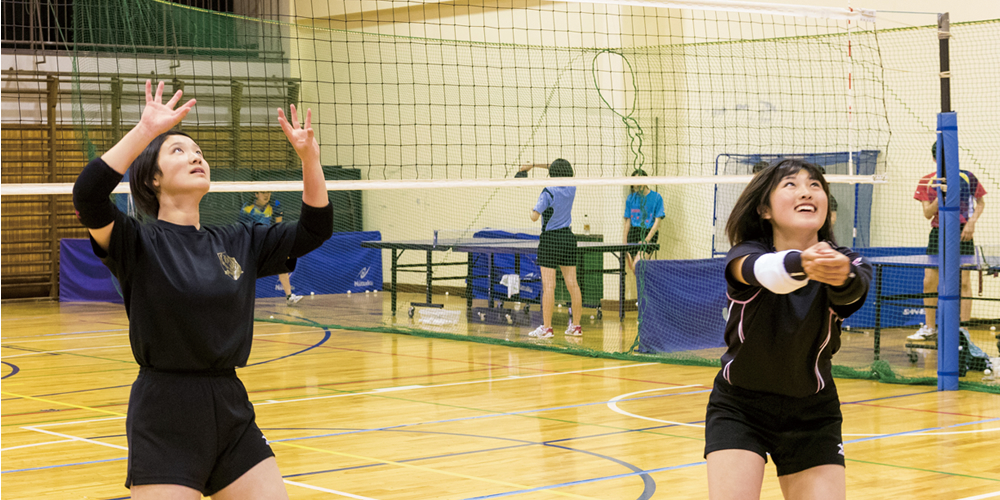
949 282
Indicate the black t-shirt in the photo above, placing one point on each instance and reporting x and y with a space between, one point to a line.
189 293
784 343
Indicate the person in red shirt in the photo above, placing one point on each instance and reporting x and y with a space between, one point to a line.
971 207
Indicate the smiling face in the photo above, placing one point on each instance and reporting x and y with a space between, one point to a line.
182 167
798 204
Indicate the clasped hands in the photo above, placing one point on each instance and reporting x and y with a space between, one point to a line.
824 264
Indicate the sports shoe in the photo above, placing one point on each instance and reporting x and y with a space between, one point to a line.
924 333
541 332
574 331
293 299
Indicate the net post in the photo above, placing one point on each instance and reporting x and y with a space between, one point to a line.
236 135
944 33
949 282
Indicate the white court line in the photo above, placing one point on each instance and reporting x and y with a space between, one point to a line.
484 381
613 405
59 351
36 444
74 438
74 422
117 346
985 495
398 388
324 490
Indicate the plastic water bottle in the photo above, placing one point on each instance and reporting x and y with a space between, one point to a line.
586 225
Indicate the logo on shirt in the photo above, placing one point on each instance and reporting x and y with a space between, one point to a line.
230 266
840 449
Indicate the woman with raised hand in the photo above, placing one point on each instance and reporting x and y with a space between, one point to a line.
189 297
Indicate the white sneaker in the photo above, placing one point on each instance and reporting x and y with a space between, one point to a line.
541 332
293 299
574 331
924 333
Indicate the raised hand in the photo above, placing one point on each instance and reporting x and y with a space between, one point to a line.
158 117
302 138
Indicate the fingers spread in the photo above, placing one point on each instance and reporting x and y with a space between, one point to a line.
175 99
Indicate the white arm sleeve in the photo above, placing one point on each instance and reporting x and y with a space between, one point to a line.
769 269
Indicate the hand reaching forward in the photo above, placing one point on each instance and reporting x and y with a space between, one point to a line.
826 265
302 138
158 117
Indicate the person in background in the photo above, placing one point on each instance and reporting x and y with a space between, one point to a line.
262 211
643 215
557 248
971 206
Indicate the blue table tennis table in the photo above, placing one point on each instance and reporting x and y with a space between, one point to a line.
978 262
491 247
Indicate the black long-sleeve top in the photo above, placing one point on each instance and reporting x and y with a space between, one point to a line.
784 343
189 293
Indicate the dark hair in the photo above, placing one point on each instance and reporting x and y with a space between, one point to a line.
745 222
143 170
637 173
560 168
934 150
761 165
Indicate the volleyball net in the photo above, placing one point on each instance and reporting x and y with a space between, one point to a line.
426 113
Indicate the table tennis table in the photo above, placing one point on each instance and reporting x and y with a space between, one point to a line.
979 262
491 247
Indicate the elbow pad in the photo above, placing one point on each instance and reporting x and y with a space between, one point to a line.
91 194
779 272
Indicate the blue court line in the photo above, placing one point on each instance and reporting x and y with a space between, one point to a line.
64 465
448 455
649 486
524 444
887 397
13 370
872 438
593 480
326 337
477 417
68 333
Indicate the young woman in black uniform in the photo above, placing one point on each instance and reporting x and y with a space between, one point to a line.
189 296
789 287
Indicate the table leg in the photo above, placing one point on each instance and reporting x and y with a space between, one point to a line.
621 286
489 282
878 311
430 276
395 261
468 283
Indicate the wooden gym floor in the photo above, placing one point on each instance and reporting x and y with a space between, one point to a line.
368 415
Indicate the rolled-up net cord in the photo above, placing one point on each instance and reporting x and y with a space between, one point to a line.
37 189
